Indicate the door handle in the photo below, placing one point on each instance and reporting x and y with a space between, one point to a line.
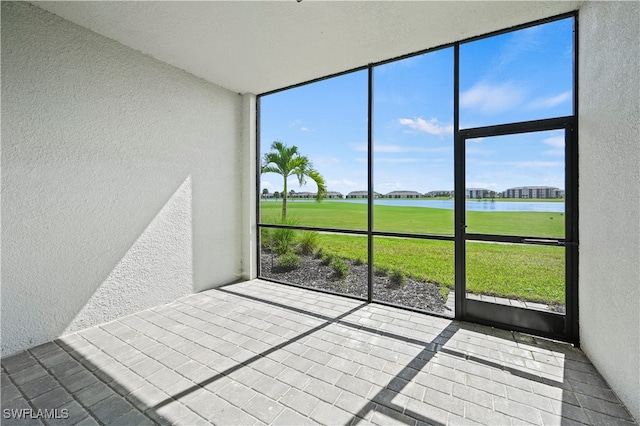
540 241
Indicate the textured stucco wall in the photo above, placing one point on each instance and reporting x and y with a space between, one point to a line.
609 115
249 188
121 178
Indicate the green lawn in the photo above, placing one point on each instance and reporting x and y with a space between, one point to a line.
532 273
419 220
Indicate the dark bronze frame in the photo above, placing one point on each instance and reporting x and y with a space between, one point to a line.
548 324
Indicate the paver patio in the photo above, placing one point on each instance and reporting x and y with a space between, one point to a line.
264 353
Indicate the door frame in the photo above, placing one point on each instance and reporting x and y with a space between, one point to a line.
549 324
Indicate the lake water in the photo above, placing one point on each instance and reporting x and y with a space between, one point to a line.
488 205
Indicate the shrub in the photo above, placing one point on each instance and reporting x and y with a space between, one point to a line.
358 262
307 242
288 261
284 238
326 259
397 279
318 253
381 271
340 268
265 238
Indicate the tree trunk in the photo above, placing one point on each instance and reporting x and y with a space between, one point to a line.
284 200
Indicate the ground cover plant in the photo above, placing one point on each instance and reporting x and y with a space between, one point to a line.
532 273
288 261
348 277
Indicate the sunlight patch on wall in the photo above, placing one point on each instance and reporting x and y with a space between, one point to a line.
158 264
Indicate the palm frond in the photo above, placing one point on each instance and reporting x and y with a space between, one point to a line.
320 183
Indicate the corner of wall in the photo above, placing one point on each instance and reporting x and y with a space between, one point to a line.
609 147
249 188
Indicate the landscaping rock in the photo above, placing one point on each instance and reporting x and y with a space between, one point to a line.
415 294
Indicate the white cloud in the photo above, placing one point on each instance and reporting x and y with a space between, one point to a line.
399 160
385 187
554 141
535 163
528 164
326 161
432 126
298 123
492 99
394 149
341 183
267 184
551 101
479 184
557 142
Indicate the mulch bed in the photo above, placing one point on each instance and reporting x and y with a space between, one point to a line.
310 273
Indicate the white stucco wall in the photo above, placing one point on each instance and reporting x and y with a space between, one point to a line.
249 188
121 178
609 116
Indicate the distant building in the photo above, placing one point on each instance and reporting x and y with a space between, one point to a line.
533 192
404 194
303 194
309 195
478 192
439 193
362 194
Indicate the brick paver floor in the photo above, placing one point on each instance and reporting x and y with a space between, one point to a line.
263 353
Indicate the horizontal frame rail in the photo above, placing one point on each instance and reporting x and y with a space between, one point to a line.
519 127
360 232
516 239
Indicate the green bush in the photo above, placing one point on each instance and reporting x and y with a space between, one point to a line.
307 242
318 253
288 261
397 279
326 259
381 271
265 238
283 238
358 262
340 268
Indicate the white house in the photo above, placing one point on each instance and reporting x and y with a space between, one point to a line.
403 194
362 194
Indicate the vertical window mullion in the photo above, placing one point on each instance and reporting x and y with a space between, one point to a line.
370 191
459 192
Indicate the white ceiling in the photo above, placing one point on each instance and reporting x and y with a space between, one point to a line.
255 47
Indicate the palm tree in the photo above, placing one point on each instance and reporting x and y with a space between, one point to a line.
265 191
287 161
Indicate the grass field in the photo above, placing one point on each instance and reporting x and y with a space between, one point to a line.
532 273
418 220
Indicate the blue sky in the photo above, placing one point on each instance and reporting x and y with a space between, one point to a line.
518 76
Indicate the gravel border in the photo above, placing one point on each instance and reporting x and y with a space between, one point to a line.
310 273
